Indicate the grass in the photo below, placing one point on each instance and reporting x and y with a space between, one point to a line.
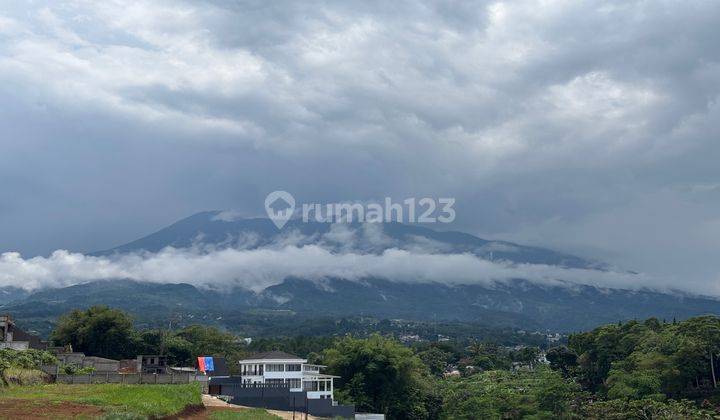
17 376
252 414
125 401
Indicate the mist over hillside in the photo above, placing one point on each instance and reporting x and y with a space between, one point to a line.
208 266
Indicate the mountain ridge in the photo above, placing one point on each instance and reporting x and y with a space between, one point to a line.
518 304
562 306
209 228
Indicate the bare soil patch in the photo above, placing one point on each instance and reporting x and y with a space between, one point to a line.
28 409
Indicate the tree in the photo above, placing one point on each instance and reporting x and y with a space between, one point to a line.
634 385
489 356
97 331
435 359
178 350
706 329
528 355
381 375
553 392
643 409
205 340
502 394
561 358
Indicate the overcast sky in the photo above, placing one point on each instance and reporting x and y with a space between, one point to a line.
588 127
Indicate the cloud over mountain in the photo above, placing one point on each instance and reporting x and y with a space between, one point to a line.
588 127
257 269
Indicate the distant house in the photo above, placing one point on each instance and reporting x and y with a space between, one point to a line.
151 364
12 337
284 369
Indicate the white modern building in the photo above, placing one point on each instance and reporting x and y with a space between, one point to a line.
284 369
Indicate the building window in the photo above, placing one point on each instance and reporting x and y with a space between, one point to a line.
275 367
294 367
310 386
274 382
251 369
294 383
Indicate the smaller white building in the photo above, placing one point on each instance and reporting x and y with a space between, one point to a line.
284 369
12 337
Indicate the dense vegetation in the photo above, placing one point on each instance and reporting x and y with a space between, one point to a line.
22 367
105 332
650 369
650 359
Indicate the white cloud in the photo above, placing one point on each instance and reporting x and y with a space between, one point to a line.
259 268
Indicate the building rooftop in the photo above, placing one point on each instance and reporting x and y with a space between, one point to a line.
273 355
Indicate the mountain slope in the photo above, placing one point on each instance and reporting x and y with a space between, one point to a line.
518 304
212 229
564 306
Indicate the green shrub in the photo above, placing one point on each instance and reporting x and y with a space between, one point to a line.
25 359
19 376
76 370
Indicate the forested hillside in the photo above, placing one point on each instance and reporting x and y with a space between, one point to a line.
638 370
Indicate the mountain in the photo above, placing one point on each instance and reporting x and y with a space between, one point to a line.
518 304
563 306
213 228
11 294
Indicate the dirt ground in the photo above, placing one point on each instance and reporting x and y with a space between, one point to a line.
24 409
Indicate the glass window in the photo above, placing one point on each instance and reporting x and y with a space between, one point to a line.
275 367
293 367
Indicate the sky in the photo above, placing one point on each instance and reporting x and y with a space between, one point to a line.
588 127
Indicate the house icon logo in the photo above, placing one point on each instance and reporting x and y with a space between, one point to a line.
280 206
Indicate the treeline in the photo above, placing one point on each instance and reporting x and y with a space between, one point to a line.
650 359
649 369
106 332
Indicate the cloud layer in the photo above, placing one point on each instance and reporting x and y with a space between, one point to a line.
588 127
260 268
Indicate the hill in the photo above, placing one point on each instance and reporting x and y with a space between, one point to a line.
518 304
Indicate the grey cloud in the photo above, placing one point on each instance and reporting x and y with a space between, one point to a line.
571 124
